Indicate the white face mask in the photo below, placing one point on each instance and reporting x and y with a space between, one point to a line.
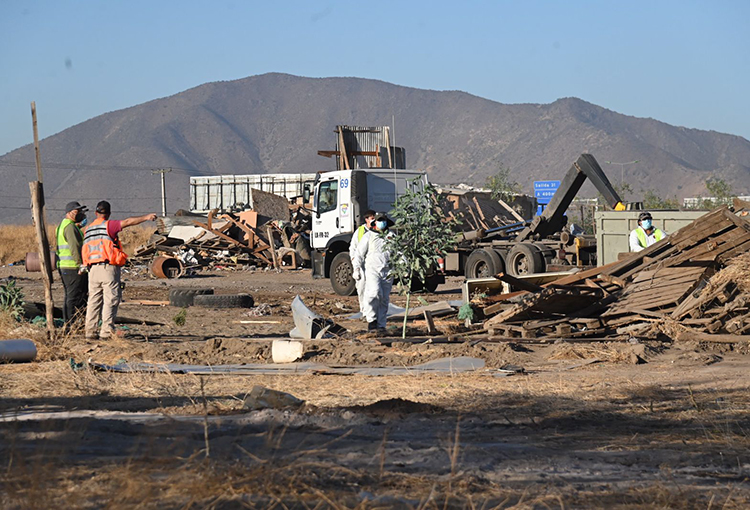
381 224
646 224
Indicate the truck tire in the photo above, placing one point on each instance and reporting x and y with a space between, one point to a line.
224 300
525 258
483 263
432 283
184 297
341 275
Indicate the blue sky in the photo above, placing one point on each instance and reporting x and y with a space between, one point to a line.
686 63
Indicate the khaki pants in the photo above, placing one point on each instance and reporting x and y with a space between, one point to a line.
104 298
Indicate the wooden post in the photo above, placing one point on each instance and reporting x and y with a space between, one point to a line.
40 223
269 233
37 206
36 143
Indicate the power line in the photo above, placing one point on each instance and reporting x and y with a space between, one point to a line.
81 166
55 197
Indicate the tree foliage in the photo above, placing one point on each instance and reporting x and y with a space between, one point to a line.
423 234
502 186
652 201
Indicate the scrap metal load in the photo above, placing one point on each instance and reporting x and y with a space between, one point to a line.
692 285
268 236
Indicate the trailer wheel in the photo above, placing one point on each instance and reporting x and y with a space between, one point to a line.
524 259
341 275
483 264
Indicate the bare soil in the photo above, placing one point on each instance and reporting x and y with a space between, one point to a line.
614 425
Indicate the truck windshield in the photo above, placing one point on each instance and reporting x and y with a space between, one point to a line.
328 196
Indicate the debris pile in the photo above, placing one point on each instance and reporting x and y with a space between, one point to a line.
692 285
230 240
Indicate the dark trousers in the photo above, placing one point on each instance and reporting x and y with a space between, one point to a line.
76 291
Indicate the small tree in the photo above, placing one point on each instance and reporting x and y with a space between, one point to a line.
422 235
720 192
651 201
501 185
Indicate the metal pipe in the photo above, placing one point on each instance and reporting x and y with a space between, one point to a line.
17 350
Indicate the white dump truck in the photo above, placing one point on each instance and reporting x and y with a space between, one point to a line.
340 199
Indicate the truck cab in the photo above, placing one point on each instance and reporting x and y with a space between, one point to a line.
340 198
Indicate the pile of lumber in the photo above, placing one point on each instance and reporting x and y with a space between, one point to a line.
694 284
477 211
227 240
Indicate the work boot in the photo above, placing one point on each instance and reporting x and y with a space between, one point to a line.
372 326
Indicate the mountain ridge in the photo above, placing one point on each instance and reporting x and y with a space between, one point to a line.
276 122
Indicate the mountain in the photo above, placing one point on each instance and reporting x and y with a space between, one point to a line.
277 123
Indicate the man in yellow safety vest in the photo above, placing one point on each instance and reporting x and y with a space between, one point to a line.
646 233
69 263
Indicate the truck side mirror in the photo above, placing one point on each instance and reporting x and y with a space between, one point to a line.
306 193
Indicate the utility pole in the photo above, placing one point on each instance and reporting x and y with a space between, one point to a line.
163 171
622 168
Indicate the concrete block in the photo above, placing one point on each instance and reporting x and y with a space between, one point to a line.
286 351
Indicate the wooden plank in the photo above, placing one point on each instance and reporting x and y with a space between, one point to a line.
669 272
510 210
220 234
739 250
247 230
696 336
431 330
659 284
269 233
519 283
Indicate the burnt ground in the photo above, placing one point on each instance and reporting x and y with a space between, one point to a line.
583 426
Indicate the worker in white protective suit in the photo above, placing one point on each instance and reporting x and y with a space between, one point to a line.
378 281
358 237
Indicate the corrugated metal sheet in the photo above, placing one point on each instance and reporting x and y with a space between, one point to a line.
227 191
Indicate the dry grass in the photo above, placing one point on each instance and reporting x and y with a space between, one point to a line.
17 240
133 237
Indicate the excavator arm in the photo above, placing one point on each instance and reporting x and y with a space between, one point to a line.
552 218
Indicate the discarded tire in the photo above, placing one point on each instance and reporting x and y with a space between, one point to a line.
184 297
224 300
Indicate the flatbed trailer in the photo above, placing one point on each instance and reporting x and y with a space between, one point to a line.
540 245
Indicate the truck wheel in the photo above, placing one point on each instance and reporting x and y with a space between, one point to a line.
524 259
432 283
341 275
483 264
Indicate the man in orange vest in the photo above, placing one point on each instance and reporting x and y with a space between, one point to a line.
103 255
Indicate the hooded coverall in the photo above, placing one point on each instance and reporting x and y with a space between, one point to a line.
378 284
360 236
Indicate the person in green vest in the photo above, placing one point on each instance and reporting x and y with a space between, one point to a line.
70 264
646 233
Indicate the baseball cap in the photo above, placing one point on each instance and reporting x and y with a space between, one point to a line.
103 207
644 215
72 206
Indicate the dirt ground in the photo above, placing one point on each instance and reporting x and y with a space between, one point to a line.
625 425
